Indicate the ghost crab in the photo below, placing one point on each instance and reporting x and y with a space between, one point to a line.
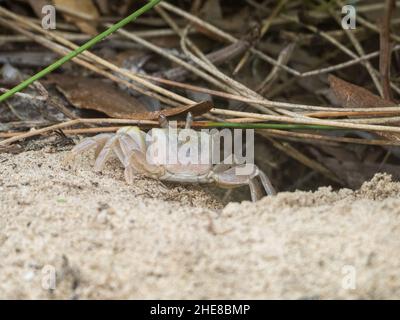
131 148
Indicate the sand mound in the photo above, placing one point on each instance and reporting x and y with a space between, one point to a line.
105 239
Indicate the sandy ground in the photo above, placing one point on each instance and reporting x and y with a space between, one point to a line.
104 239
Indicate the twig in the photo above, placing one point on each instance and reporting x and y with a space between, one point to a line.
173 58
229 38
69 131
70 123
63 51
283 58
361 52
304 159
337 124
385 47
233 85
267 103
79 50
305 137
265 27
84 37
26 95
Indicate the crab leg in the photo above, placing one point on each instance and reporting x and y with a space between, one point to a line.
97 142
253 190
162 119
129 173
137 160
229 179
189 120
119 152
269 189
128 144
105 153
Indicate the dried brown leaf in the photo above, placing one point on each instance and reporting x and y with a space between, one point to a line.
95 94
196 109
74 9
386 48
37 6
212 10
353 96
104 6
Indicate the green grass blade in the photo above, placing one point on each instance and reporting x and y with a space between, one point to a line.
79 50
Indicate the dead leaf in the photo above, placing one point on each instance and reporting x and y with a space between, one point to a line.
212 10
385 55
196 109
37 6
76 10
103 6
352 96
95 94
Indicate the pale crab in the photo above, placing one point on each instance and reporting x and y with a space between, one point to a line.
131 147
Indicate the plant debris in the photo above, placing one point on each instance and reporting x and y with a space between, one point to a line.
293 62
